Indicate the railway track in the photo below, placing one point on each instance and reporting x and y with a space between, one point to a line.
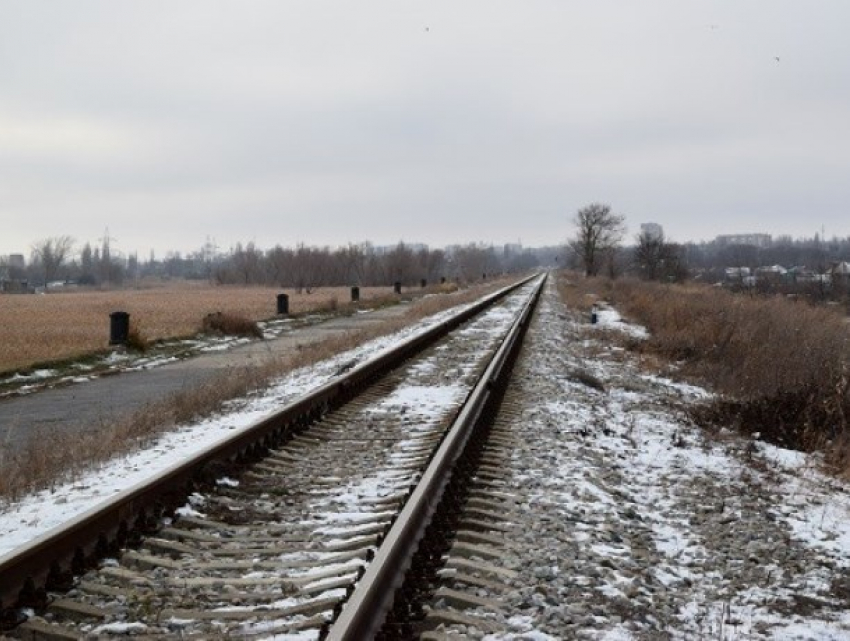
305 524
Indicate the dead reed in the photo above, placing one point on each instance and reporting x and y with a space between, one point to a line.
136 339
780 366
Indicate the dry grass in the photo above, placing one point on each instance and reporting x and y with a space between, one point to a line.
52 327
579 293
40 466
780 366
746 347
230 325
136 339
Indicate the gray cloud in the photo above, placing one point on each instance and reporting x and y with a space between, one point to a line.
445 122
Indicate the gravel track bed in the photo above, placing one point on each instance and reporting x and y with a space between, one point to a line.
627 522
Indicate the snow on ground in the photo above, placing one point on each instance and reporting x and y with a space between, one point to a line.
609 318
432 389
427 399
636 524
35 515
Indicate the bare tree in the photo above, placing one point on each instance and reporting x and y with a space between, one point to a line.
50 254
598 233
279 265
656 259
649 255
353 262
401 264
246 263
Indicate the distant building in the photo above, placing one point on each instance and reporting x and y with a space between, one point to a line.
737 273
756 240
773 274
653 230
16 261
840 272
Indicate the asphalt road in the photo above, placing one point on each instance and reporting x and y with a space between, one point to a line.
85 406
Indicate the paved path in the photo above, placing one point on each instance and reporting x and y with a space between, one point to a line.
87 405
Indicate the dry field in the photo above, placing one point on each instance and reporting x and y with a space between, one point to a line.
60 325
43 463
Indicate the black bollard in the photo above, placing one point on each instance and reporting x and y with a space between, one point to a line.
282 304
119 328
355 294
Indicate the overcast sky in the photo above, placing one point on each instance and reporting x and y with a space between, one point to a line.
328 122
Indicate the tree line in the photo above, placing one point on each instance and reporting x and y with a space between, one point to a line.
596 247
56 260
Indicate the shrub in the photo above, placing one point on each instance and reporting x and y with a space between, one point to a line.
230 325
780 366
136 340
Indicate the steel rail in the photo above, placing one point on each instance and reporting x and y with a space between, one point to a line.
51 559
365 611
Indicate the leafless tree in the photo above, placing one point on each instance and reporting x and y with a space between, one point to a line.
401 264
303 267
246 262
432 264
598 233
656 259
649 255
50 254
279 266
474 261
353 262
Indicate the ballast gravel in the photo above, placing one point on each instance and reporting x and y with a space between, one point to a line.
636 524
